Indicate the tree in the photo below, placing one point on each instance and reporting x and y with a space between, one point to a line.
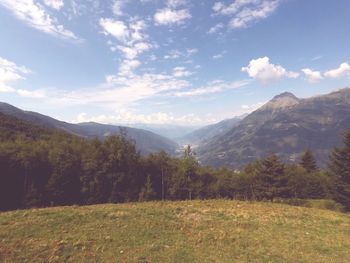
11 179
121 167
184 179
271 179
64 185
247 182
339 169
95 188
308 161
160 167
147 193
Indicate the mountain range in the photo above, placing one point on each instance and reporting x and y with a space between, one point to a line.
286 125
146 141
206 133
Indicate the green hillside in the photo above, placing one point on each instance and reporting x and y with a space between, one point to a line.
196 231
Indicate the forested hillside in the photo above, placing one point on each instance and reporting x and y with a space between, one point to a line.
145 141
43 167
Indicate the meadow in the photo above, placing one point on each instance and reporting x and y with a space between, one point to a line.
186 231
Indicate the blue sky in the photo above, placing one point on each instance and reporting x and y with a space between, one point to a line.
168 62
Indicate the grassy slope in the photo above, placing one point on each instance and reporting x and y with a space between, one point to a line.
197 231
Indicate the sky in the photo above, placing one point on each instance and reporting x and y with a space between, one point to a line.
176 62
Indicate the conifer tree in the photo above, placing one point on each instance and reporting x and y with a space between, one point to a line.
308 161
271 179
339 169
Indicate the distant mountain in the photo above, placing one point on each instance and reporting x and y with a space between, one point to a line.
206 133
166 130
146 141
286 125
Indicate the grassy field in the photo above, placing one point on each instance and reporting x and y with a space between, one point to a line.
191 231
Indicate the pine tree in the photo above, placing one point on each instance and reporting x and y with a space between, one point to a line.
339 169
308 161
271 179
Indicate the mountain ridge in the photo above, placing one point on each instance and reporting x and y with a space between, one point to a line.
315 123
146 141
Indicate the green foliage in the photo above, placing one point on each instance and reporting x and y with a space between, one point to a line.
303 184
147 193
185 179
308 161
271 178
40 167
339 169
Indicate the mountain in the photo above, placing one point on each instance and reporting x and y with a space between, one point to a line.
11 127
170 131
146 141
286 125
204 134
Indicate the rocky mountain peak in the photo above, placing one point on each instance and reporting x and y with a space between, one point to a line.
283 100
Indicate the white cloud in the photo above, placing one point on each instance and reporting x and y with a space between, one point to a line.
115 28
55 4
220 55
180 72
127 67
233 8
36 16
130 34
175 54
317 58
135 50
215 28
214 87
264 71
191 51
125 116
312 76
37 94
10 73
343 70
133 41
169 16
244 13
176 3
127 91
120 90
252 15
117 7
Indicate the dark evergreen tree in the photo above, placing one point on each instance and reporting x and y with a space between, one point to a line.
308 161
271 179
339 169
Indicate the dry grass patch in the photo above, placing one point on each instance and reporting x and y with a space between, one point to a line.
196 231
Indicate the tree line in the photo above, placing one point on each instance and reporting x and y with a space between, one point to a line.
39 169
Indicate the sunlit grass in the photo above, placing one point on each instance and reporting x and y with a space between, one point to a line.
196 231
